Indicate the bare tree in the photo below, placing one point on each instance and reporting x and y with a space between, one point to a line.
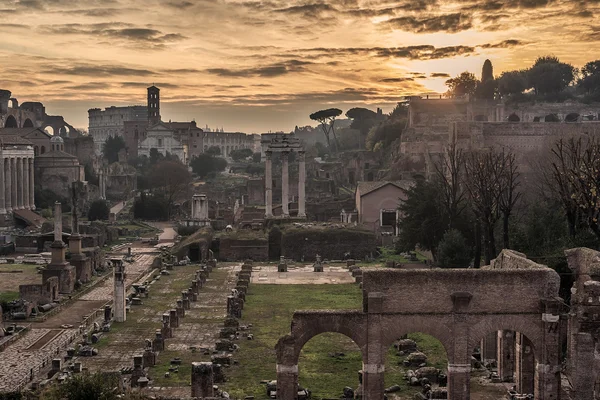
484 171
449 172
576 171
509 194
170 179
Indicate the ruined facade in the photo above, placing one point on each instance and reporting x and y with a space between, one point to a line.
161 138
56 169
31 115
111 122
523 129
461 308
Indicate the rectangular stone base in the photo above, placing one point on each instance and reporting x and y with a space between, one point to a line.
64 273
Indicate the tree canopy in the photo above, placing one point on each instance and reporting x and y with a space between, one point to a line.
99 210
111 148
550 75
213 151
205 164
327 120
241 154
464 84
590 79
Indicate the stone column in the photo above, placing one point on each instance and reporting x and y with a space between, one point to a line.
15 183
2 187
8 185
31 184
268 185
202 380
119 291
101 184
301 185
285 184
19 182
26 184
506 355
373 369
582 360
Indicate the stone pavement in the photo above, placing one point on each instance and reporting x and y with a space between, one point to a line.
301 275
19 363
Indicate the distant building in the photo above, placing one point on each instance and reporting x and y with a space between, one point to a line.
56 169
17 178
161 138
377 204
111 122
227 141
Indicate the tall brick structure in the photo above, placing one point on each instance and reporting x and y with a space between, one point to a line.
58 266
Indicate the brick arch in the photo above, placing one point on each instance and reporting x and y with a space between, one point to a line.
11 122
436 327
306 325
528 325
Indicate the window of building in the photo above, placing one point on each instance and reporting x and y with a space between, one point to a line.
160 142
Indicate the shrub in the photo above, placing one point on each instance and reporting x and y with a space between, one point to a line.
99 211
453 251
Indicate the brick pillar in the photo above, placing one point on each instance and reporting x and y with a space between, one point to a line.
489 347
547 378
459 362
173 319
202 380
268 185
374 366
524 365
506 355
287 382
582 360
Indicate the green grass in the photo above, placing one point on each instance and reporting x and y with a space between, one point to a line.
270 308
388 254
5 297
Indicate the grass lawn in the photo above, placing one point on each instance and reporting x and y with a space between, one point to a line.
270 308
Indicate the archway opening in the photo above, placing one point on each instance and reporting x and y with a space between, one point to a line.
503 361
11 122
551 118
573 117
49 130
28 123
328 363
42 149
481 118
514 118
416 363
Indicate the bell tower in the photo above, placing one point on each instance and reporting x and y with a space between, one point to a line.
153 105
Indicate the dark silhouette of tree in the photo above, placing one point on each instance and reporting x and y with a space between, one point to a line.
111 148
99 210
486 89
590 79
464 84
423 220
155 156
327 120
241 154
549 75
169 179
256 157
512 83
453 251
213 151
205 164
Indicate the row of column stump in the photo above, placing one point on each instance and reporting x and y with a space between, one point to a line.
206 374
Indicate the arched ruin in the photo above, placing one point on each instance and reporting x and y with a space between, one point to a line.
457 307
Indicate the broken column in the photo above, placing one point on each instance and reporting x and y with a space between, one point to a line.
149 358
268 185
192 296
282 266
138 370
119 290
158 344
58 266
285 184
107 313
506 355
185 301
180 309
301 185
166 331
318 267
82 264
202 380
173 318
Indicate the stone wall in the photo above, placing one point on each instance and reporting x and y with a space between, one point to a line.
81 147
329 243
41 293
231 249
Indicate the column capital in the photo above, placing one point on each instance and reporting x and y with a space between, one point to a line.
268 154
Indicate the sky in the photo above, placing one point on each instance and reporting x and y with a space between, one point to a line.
259 66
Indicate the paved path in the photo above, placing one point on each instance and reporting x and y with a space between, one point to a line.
19 363
116 209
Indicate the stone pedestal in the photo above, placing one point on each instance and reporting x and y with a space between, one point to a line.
459 377
202 380
287 382
158 344
138 370
180 309
185 301
166 331
149 358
